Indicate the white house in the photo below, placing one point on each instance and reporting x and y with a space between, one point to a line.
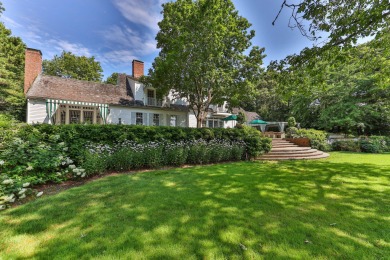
57 100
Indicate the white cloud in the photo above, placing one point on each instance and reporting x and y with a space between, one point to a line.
143 12
75 48
10 23
127 38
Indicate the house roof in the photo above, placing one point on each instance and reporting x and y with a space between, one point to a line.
249 115
52 87
77 90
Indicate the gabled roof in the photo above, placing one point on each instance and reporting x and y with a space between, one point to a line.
249 115
78 90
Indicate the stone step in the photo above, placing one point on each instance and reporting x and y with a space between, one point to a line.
290 149
284 145
301 151
321 156
287 155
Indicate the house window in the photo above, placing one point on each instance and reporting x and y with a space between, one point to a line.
70 114
173 121
214 123
88 117
74 116
151 97
156 119
63 117
139 120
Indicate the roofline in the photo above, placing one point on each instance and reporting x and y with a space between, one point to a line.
32 49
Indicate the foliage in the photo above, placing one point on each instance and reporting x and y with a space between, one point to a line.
241 118
318 138
68 65
43 154
343 21
112 79
203 55
349 146
12 99
343 91
291 122
129 155
371 144
243 210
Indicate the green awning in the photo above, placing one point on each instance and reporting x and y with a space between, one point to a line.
231 117
257 122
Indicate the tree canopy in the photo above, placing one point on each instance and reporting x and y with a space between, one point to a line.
203 56
112 79
348 91
12 99
68 65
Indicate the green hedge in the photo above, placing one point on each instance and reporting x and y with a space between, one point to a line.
32 155
372 144
318 138
77 136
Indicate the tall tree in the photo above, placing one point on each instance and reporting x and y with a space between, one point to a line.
112 79
12 99
342 21
203 45
68 65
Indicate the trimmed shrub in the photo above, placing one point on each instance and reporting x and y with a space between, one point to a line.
318 138
348 146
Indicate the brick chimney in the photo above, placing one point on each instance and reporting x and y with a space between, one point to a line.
32 67
138 68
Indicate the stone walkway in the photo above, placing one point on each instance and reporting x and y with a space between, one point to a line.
284 150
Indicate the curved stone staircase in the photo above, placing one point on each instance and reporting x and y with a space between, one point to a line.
285 150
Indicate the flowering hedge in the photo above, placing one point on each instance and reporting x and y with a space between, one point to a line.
31 155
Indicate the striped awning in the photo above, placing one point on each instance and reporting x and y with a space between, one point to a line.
53 104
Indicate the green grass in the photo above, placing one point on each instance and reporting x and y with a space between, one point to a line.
339 206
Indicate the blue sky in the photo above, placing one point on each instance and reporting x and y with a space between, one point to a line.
118 31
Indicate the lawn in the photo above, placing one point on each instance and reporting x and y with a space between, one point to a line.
327 209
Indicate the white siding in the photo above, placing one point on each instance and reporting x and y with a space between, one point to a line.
127 115
191 119
137 89
36 111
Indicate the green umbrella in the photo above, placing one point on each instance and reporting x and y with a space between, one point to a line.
257 122
231 117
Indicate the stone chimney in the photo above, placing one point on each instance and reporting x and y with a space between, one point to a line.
138 68
32 67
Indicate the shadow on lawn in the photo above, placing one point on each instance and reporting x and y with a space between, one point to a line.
272 210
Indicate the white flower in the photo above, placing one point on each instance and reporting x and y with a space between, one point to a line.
72 166
61 144
65 149
22 191
60 157
83 175
2 207
23 196
39 193
10 198
58 174
2 162
25 185
9 181
29 168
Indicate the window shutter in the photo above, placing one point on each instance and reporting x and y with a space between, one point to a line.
151 116
133 114
168 120
145 118
161 119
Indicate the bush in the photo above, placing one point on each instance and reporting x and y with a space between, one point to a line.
348 146
318 138
45 153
